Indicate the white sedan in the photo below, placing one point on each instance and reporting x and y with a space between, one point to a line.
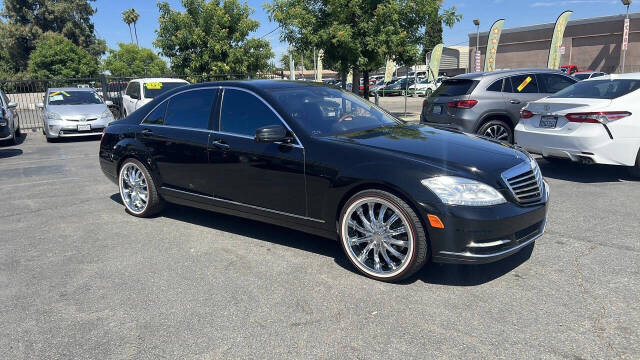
592 121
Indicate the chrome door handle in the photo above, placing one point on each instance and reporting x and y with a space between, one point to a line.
220 144
514 101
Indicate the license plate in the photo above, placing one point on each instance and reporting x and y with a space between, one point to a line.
437 110
86 127
548 122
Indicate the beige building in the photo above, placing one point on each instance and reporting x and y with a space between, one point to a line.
591 44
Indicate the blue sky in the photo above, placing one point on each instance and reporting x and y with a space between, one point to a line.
109 25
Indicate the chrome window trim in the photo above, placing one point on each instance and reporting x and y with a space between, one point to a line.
243 204
171 97
178 127
299 143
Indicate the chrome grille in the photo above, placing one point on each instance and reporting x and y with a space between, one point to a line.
525 182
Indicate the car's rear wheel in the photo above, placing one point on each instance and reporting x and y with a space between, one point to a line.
138 190
382 236
497 129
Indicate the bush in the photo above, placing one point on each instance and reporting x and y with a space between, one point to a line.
57 57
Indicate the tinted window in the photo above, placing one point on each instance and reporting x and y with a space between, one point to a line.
190 109
552 83
524 84
599 89
153 89
454 87
597 75
581 76
70 97
496 86
243 113
133 90
157 116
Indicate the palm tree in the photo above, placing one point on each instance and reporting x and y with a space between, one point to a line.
134 18
126 17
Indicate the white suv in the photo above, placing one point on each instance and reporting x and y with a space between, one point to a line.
141 91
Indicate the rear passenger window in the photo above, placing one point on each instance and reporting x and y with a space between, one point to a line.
524 84
243 113
190 109
156 117
552 83
496 86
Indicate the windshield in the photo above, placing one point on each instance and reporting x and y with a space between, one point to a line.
581 76
70 97
325 111
599 89
156 88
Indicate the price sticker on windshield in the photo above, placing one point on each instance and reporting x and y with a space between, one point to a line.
524 83
153 85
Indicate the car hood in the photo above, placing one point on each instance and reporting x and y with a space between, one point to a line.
448 152
73 110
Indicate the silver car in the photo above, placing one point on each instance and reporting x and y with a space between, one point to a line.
9 124
489 103
71 112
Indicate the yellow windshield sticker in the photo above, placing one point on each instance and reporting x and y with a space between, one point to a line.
153 85
56 93
65 93
525 82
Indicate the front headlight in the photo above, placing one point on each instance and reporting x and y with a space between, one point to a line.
53 116
454 190
107 115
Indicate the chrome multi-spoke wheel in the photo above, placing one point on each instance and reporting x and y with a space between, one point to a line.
497 132
378 236
134 188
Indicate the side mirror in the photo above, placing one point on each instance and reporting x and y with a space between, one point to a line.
108 103
12 105
272 133
40 105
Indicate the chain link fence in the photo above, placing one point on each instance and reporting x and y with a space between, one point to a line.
29 93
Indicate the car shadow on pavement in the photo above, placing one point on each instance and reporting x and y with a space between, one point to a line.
572 171
7 153
441 274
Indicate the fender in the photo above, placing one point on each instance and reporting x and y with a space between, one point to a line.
132 148
492 113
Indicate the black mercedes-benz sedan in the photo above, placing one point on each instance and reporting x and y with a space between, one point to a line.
324 161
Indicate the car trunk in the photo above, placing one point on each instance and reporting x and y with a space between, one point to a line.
436 108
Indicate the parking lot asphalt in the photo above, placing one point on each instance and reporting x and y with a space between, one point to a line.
80 278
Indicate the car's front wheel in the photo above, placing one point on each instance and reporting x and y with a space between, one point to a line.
138 190
382 236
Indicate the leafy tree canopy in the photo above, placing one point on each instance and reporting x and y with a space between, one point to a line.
132 60
28 20
211 37
298 57
57 57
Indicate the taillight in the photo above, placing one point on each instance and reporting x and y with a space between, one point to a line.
462 104
525 114
597 117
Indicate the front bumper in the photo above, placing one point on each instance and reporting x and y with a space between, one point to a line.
590 143
487 234
61 129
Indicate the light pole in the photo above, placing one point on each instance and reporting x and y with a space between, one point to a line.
476 22
625 33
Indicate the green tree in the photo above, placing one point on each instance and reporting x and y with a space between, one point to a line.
433 30
132 60
28 20
57 57
129 17
211 37
298 57
126 17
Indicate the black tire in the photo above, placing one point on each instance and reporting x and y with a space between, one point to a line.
420 248
493 126
635 170
50 140
155 204
15 139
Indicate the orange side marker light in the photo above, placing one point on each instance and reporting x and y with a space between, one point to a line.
435 221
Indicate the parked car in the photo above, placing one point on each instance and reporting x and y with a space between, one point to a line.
489 103
327 162
593 121
9 120
425 87
397 87
569 68
141 91
69 112
587 74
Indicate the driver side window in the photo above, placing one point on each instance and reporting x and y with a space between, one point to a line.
242 113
